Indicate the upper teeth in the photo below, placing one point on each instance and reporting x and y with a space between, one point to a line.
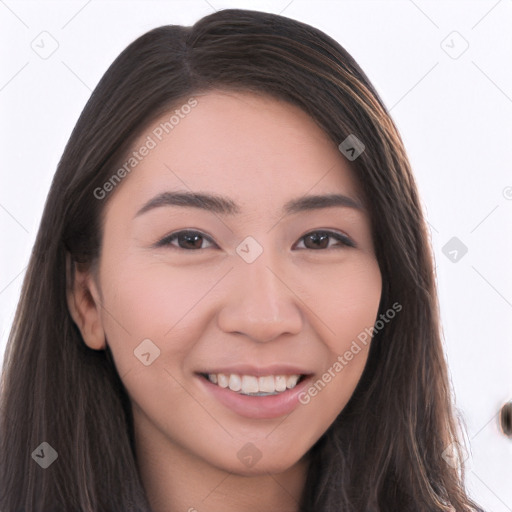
250 384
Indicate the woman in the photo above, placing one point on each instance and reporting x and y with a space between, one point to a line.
231 303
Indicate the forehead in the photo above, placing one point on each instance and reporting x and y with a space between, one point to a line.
253 148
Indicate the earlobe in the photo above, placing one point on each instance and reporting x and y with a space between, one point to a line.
84 304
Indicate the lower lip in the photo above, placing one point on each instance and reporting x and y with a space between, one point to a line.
257 407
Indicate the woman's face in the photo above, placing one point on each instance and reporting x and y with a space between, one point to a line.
261 293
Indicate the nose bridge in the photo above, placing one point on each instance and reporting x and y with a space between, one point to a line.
264 292
260 304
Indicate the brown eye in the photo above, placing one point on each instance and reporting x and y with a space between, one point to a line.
320 240
188 240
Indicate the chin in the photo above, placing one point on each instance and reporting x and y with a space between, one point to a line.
263 466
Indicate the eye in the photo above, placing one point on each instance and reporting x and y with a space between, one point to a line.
188 240
193 240
320 240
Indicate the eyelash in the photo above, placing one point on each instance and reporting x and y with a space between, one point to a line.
345 240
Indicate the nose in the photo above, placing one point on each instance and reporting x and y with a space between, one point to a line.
260 302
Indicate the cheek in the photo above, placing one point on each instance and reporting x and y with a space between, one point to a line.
349 306
345 299
150 301
357 300
152 322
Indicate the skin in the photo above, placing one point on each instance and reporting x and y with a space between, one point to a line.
209 307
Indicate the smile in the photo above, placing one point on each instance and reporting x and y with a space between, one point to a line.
252 385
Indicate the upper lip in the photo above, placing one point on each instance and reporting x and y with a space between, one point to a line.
259 371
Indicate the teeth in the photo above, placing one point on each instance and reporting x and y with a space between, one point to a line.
266 384
251 385
280 382
222 380
291 381
235 382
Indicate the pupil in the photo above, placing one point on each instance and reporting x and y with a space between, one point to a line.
323 237
190 239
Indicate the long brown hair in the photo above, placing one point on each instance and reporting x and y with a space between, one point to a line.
384 452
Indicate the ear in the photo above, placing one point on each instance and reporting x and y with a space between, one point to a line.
84 303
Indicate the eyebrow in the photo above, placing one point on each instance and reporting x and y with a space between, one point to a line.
225 206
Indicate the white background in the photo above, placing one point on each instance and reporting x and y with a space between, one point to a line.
453 109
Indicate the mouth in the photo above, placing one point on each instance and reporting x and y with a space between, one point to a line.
256 392
252 385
